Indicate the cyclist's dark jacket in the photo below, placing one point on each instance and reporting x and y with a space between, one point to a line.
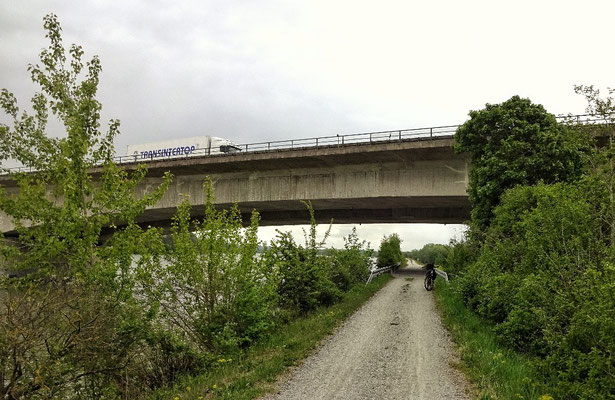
431 270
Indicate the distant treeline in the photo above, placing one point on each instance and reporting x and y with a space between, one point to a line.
430 253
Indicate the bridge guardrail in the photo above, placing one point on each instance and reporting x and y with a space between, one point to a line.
430 133
377 272
442 274
374 273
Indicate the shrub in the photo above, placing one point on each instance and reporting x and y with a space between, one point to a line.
304 274
350 265
543 277
208 288
389 253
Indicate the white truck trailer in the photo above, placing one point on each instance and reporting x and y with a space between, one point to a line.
180 148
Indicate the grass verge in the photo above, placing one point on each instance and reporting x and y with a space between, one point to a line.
254 372
496 372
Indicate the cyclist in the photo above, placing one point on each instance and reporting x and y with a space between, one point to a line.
430 276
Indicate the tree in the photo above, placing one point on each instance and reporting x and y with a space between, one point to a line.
604 162
210 286
543 271
68 319
350 264
389 253
514 143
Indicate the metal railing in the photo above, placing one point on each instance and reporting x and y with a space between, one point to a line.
442 274
436 132
375 272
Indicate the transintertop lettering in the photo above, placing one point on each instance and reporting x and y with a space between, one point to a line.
171 151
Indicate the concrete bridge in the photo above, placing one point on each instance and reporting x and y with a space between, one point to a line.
416 179
407 176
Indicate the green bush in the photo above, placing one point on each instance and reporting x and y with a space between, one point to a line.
543 276
304 282
460 254
389 253
208 287
350 265
164 359
304 274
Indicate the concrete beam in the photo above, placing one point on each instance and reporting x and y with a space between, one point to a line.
400 181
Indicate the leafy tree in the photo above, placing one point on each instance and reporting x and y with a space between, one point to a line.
604 162
210 285
389 253
544 271
351 264
68 318
598 104
515 143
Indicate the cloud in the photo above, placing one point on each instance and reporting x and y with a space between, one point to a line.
287 69
273 69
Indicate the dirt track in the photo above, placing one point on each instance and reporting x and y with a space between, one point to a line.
394 347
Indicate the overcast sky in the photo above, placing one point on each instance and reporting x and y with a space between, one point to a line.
260 70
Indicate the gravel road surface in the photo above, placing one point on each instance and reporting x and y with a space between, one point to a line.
394 347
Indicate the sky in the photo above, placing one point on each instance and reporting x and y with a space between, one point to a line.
264 70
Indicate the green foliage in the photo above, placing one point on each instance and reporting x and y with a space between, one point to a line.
597 104
91 305
516 143
304 274
389 253
68 319
540 267
209 288
543 277
162 360
460 255
495 371
350 265
254 373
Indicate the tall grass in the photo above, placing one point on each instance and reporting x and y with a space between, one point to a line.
496 372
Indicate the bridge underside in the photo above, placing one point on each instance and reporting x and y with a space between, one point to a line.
444 210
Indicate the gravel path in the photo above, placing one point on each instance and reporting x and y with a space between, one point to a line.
394 347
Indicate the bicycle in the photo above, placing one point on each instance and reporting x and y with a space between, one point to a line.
430 277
